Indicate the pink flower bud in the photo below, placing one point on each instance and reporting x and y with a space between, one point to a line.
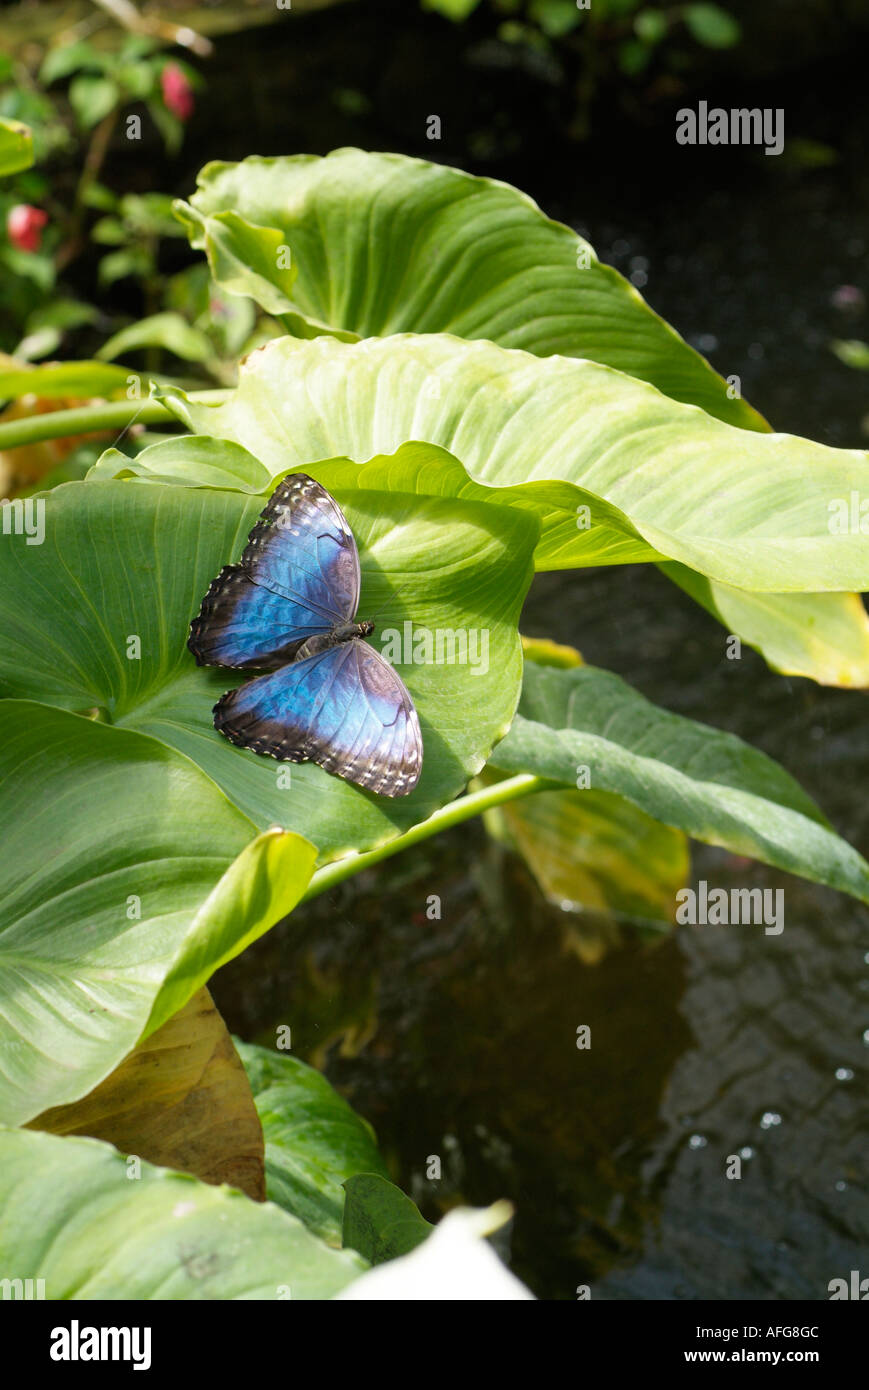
177 92
848 298
24 226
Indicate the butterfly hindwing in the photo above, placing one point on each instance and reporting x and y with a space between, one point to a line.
298 576
344 708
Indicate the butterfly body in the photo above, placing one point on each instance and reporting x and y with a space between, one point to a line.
322 641
288 608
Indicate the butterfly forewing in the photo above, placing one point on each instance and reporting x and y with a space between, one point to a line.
241 624
298 576
301 547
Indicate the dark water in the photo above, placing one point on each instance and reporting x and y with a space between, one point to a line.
457 1037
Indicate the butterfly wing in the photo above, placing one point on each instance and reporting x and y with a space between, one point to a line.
242 624
345 709
298 576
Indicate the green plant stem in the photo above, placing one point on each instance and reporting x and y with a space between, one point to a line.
524 784
88 419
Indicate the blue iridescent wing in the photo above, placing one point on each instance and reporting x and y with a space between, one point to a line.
345 708
298 576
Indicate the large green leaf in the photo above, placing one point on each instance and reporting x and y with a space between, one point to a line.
314 1140
426 469
479 259
122 562
128 879
364 245
749 509
586 727
70 1215
822 636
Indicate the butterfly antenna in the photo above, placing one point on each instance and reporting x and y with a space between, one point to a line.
395 593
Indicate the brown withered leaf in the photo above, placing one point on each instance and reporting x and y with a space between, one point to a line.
181 1099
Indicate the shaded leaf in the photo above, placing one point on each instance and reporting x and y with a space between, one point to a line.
92 97
169 331
379 1220
594 855
852 351
65 58
711 25
456 10
587 726
313 1139
591 851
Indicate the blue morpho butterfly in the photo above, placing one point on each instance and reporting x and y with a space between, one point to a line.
289 608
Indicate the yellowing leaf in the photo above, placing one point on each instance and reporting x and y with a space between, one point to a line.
181 1099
